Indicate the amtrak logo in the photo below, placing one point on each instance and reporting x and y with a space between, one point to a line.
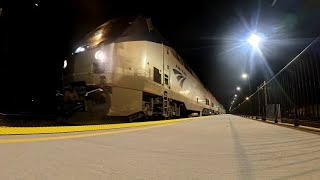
179 77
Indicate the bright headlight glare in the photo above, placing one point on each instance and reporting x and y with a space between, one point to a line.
80 49
99 55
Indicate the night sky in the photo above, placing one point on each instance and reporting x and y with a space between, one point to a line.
36 36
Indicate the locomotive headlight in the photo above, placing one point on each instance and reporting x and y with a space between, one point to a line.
65 64
80 49
99 55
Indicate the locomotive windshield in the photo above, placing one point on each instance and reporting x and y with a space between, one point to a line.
108 32
120 30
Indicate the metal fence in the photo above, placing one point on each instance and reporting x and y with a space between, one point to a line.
292 95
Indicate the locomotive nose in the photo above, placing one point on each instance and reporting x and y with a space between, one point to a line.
89 65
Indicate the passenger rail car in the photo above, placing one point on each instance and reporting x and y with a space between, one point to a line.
125 68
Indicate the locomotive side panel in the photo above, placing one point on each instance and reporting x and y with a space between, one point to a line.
125 102
128 71
188 85
182 82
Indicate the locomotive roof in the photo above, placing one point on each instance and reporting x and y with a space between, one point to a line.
128 28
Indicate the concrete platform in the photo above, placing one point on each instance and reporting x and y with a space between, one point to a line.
216 147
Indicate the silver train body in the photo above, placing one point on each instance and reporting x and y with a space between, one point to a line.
124 68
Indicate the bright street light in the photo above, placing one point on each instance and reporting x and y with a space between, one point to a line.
247 98
235 95
254 40
65 64
238 88
244 76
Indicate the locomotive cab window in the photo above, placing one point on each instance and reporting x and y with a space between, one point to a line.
156 75
166 79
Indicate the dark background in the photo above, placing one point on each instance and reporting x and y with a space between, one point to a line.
34 41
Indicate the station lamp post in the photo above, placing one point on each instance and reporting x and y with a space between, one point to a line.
254 40
245 76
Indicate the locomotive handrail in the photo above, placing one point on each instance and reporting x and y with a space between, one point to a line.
92 91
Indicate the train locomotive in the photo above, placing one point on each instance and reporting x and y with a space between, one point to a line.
125 68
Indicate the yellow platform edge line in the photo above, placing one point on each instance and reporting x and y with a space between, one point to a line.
67 129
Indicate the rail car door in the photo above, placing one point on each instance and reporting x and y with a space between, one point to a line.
166 67
166 81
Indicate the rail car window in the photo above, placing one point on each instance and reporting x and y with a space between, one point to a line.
207 102
156 75
166 79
